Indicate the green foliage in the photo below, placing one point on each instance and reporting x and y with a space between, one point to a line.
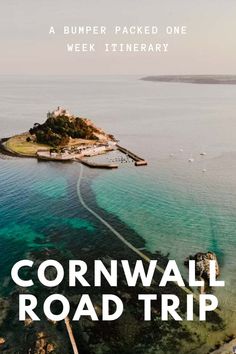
57 130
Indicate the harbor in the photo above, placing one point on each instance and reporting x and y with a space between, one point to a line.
85 153
138 161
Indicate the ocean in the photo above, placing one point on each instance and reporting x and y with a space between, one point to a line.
178 207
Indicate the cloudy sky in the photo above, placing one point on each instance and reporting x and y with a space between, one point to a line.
208 48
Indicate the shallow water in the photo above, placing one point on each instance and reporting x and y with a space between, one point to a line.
175 206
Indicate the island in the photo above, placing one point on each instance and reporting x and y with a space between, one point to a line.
194 79
64 137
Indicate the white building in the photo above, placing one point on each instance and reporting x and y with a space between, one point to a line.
60 111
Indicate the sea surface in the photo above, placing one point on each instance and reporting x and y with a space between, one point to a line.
178 207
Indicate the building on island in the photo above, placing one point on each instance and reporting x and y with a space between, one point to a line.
60 111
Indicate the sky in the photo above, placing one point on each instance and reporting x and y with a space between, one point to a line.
209 46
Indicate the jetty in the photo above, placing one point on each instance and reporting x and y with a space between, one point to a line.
97 165
139 161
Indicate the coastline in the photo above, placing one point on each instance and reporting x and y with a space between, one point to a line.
6 151
93 250
193 79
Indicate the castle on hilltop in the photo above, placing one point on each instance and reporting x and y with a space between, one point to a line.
60 111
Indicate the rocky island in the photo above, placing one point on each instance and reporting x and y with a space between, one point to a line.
65 137
61 134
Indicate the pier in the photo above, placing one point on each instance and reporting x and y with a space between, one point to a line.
139 161
97 165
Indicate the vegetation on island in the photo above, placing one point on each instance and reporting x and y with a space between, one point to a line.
58 130
61 129
22 144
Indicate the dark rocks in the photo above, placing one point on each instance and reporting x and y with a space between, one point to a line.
203 264
4 307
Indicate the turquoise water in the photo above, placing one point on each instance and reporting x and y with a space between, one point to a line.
174 219
38 204
175 206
